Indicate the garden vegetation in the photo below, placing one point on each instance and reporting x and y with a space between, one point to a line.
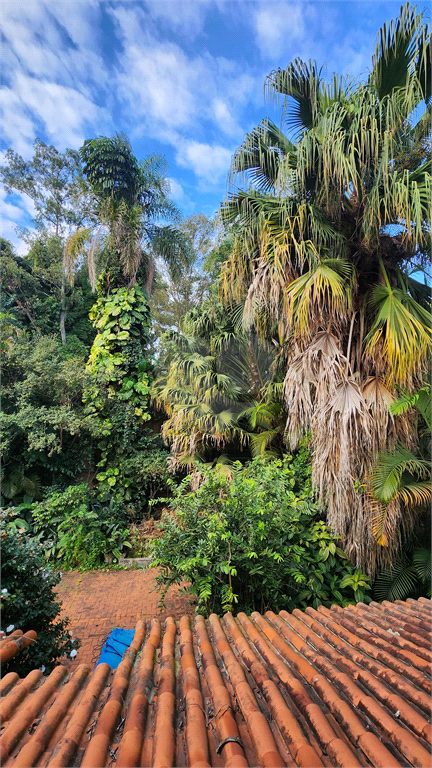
264 391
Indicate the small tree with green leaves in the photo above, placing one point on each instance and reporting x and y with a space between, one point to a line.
253 541
28 600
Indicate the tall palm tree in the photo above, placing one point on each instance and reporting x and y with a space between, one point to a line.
132 207
333 222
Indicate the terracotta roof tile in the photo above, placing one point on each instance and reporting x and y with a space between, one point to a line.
14 643
312 688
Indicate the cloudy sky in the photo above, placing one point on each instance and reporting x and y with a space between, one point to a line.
180 77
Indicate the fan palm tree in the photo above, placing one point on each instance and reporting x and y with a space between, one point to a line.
131 199
333 219
219 389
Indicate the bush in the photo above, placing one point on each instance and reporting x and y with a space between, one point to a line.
28 600
136 479
253 543
79 528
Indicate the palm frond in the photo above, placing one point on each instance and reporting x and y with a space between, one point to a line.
396 49
424 63
73 249
386 481
420 400
400 332
300 81
319 296
422 564
396 583
174 247
259 157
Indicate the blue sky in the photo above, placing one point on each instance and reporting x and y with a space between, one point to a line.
180 77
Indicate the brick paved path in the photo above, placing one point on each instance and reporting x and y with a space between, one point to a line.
97 601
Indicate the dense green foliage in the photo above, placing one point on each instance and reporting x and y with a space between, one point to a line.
410 576
79 527
132 465
118 361
28 599
44 426
251 541
221 389
31 291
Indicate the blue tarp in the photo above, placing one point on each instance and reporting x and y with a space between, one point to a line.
115 646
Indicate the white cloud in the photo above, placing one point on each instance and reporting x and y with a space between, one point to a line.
278 25
173 96
180 197
186 17
52 72
177 191
209 162
225 119
33 106
16 211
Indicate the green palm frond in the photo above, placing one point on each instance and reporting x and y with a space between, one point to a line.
73 249
424 64
396 583
300 81
402 329
261 443
395 52
323 292
390 469
420 400
260 155
422 564
174 247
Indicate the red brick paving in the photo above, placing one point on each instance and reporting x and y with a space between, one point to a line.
97 601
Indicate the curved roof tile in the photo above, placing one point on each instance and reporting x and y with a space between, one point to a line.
340 687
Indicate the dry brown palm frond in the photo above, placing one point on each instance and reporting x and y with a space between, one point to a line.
73 249
378 399
257 295
91 258
341 450
312 377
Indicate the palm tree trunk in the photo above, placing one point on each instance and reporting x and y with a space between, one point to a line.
150 278
63 310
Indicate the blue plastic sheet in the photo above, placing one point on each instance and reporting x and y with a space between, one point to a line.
115 646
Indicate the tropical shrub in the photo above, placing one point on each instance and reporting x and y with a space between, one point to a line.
250 542
139 478
28 599
221 389
78 529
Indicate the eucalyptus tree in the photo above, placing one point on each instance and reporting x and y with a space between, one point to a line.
333 221
55 184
